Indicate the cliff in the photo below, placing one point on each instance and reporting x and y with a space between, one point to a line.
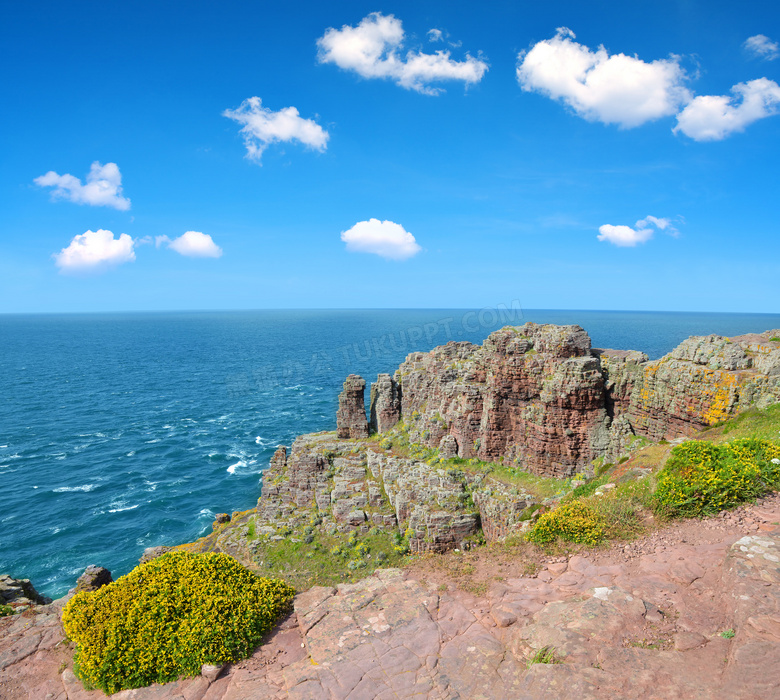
543 398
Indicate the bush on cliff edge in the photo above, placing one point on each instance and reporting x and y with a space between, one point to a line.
170 616
576 521
702 478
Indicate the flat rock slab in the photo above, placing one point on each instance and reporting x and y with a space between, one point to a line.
687 618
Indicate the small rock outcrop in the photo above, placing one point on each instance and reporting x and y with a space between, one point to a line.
153 552
94 577
351 416
19 593
385 404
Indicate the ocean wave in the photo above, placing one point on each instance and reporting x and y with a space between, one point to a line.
232 468
68 489
119 510
130 454
151 442
206 512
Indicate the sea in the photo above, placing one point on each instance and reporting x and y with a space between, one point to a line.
123 431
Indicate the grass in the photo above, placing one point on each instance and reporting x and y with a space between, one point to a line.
545 655
759 423
327 559
727 634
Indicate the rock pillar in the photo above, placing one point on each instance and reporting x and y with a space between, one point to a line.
385 403
351 417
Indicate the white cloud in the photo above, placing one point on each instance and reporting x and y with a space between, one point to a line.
616 89
762 46
262 127
434 35
627 237
103 188
714 117
95 251
192 244
373 48
384 238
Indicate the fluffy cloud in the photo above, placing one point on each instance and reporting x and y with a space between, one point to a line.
435 35
627 237
262 127
373 50
192 244
616 89
103 188
714 117
95 251
762 46
384 238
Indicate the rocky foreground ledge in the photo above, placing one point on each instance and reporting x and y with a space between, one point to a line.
693 612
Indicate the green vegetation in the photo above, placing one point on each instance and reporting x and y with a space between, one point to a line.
727 634
6 610
702 478
775 339
325 558
576 521
170 616
753 423
545 655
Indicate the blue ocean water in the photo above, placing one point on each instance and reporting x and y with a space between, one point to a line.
118 432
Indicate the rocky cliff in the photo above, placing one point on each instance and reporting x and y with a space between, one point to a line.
533 398
541 397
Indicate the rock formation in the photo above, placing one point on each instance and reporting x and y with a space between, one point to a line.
385 404
351 416
542 398
94 577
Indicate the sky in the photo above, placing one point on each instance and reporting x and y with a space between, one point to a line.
450 154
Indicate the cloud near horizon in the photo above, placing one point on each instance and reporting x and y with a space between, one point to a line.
761 46
627 237
384 238
612 89
373 49
714 117
192 244
262 127
95 251
103 187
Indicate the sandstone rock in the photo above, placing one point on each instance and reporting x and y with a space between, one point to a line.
94 577
542 398
351 415
19 592
211 671
385 403
153 552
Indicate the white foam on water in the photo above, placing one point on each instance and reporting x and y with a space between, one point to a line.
130 454
119 510
151 485
232 468
67 489
150 442
206 512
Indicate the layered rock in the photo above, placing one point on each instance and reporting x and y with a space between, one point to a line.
543 398
351 415
385 404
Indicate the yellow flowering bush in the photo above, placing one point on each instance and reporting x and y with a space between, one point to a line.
572 522
702 478
168 617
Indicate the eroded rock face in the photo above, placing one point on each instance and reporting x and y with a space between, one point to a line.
19 592
94 577
351 415
385 404
541 397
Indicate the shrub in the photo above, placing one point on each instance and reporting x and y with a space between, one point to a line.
168 617
573 522
6 610
702 478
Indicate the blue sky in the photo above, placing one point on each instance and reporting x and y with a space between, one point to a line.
602 155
